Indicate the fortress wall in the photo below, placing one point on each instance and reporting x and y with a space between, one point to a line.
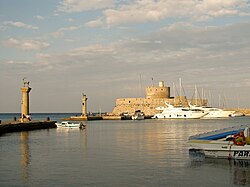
155 96
147 105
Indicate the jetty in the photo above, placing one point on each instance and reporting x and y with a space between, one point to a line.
92 118
103 117
25 123
16 126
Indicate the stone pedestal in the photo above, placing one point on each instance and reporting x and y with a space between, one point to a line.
25 103
84 105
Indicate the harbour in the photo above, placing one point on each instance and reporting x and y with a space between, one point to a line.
121 93
161 94
116 153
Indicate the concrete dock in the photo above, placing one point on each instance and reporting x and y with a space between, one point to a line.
7 127
104 117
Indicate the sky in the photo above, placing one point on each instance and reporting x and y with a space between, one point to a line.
109 49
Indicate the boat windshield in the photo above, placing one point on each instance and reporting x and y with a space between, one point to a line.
197 110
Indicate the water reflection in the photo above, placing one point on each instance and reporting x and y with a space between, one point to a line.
241 175
84 137
238 169
25 156
69 133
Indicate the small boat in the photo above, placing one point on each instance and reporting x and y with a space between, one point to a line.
230 143
125 116
171 112
68 124
138 115
238 114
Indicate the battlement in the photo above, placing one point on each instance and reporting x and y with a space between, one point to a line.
160 91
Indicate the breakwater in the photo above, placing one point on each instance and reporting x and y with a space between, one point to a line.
8 127
104 117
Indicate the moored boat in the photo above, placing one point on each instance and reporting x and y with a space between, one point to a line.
68 124
230 143
171 112
138 115
214 112
238 114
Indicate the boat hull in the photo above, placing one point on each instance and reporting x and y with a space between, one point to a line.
70 125
219 114
220 149
138 117
172 115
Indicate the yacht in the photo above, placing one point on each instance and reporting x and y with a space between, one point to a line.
171 112
214 112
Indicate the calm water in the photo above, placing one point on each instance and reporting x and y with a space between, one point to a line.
116 153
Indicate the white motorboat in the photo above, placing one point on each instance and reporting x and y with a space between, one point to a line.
214 112
238 114
171 112
230 143
68 124
138 115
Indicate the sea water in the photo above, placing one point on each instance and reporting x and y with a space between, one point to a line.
117 153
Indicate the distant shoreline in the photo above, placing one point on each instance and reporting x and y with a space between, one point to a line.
245 111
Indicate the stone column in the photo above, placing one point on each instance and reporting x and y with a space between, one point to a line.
84 105
25 99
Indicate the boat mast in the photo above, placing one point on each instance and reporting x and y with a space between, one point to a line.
202 96
180 90
140 87
210 103
174 93
219 100
196 94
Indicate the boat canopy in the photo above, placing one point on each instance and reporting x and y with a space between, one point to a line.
222 133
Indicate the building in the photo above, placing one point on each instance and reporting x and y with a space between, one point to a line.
155 96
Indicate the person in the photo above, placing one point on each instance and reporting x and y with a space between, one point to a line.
239 139
82 126
28 117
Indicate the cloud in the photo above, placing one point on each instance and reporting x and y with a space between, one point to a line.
60 32
43 56
95 23
150 10
91 50
20 25
26 44
14 62
83 5
71 28
208 56
180 48
39 17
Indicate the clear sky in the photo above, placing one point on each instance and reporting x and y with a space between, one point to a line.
103 47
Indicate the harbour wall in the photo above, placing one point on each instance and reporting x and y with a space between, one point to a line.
8 127
148 105
245 111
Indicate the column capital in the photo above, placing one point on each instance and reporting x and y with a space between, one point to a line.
25 89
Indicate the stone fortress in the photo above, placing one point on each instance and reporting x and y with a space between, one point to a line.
155 96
